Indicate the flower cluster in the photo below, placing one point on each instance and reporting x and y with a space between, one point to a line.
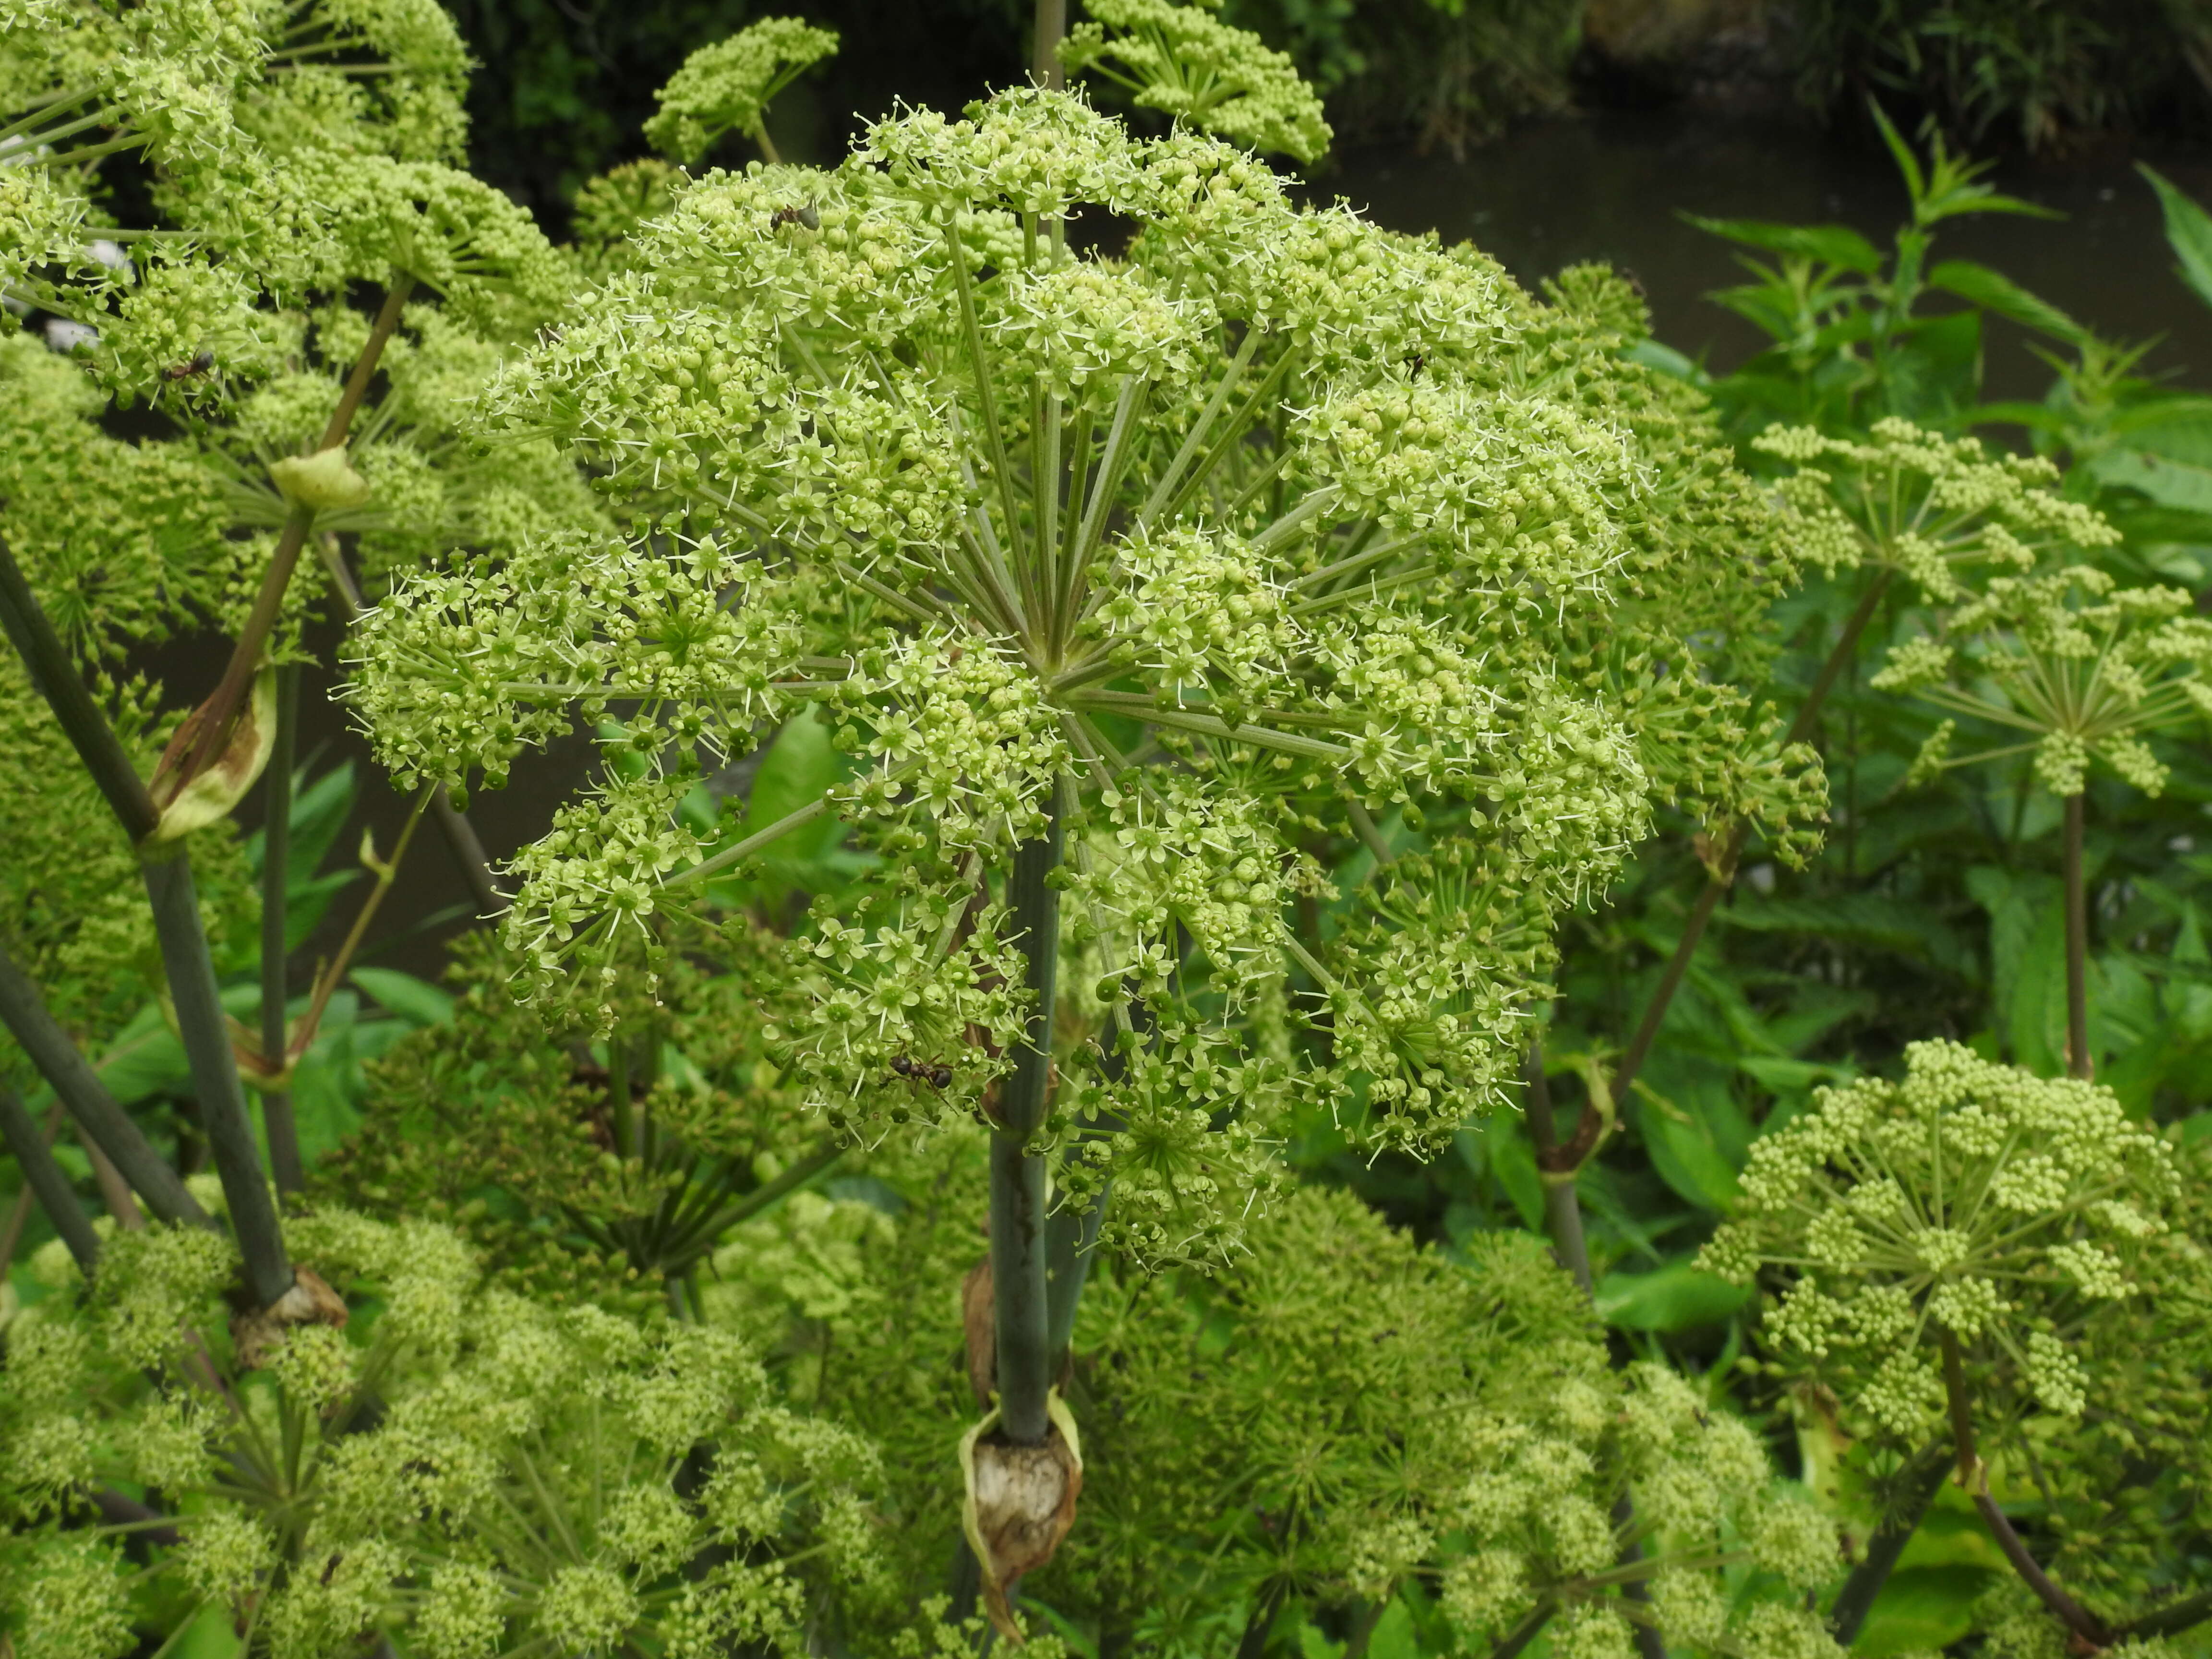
2081 667
1971 1202
1338 1412
1922 505
1203 554
577 1478
724 87
1187 62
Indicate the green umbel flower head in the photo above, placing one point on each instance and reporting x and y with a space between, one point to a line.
1210 553
1184 60
2009 1211
727 87
1922 505
2081 668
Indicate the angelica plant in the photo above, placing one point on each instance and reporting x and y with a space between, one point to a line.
1131 584
289 152
1900 502
1975 1253
2077 670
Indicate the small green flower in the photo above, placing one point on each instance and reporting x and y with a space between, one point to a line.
1921 505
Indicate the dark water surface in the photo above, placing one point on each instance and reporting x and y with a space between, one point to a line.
1609 187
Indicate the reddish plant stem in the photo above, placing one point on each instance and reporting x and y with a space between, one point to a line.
1974 1476
221 709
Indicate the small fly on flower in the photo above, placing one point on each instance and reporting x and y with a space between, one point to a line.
803 215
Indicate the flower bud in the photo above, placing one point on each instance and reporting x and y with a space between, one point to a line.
323 481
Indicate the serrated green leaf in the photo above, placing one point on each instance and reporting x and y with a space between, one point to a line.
1835 244
2188 231
1994 291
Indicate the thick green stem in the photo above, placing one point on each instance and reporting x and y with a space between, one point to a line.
275 861
223 1116
1018 1172
1923 1479
27 1143
1072 1232
2079 1061
79 1088
19 1212
2170 1620
57 681
1526 1632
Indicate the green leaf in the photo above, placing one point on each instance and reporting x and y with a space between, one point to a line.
1667 361
2188 231
1678 1298
1870 919
1916 182
1393 1635
1686 1149
1835 244
415 1000
1495 1143
2028 946
1935 370
1922 1610
2164 450
1993 291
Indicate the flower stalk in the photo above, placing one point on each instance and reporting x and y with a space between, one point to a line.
275 860
27 1144
2078 1061
78 1088
221 711
1974 1476
1022 1312
223 1115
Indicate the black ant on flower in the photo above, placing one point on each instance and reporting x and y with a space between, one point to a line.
937 1077
804 217
201 362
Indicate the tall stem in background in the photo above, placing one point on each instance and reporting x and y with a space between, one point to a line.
167 871
1051 28
1563 1216
78 1087
1019 1282
276 863
2079 1063
1563 1210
